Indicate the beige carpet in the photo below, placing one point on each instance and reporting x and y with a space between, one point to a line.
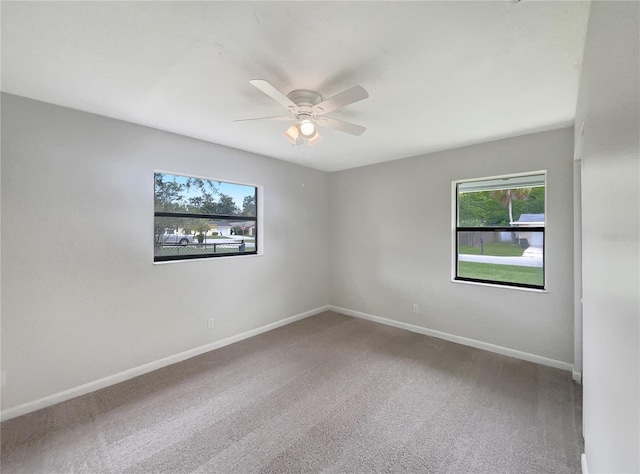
327 394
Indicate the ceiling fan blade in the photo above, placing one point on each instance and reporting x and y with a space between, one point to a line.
336 124
354 94
263 118
274 93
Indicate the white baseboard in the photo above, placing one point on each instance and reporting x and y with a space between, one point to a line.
457 339
576 376
583 461
149 367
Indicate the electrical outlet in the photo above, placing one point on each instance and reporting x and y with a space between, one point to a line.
415 308
210 323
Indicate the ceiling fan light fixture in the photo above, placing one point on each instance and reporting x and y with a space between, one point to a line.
316 138
292 134
307 128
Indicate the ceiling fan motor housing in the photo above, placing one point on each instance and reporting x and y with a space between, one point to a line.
305 99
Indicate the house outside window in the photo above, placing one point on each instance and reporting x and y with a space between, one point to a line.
499 233
203 218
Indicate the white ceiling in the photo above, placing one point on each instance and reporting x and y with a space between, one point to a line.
440 74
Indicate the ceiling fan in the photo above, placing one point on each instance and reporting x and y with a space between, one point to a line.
307 108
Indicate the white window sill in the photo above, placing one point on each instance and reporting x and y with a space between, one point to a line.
206 259
506 287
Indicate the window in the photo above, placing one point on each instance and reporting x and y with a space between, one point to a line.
203 218
500 230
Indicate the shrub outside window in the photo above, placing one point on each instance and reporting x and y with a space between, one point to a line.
203 218
500 230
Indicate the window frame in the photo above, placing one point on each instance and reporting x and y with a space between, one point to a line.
257 219
456 229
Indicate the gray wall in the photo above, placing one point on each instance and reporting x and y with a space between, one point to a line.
81 298
391 246
609 109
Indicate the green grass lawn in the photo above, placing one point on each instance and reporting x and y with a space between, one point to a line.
502 249
506 273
